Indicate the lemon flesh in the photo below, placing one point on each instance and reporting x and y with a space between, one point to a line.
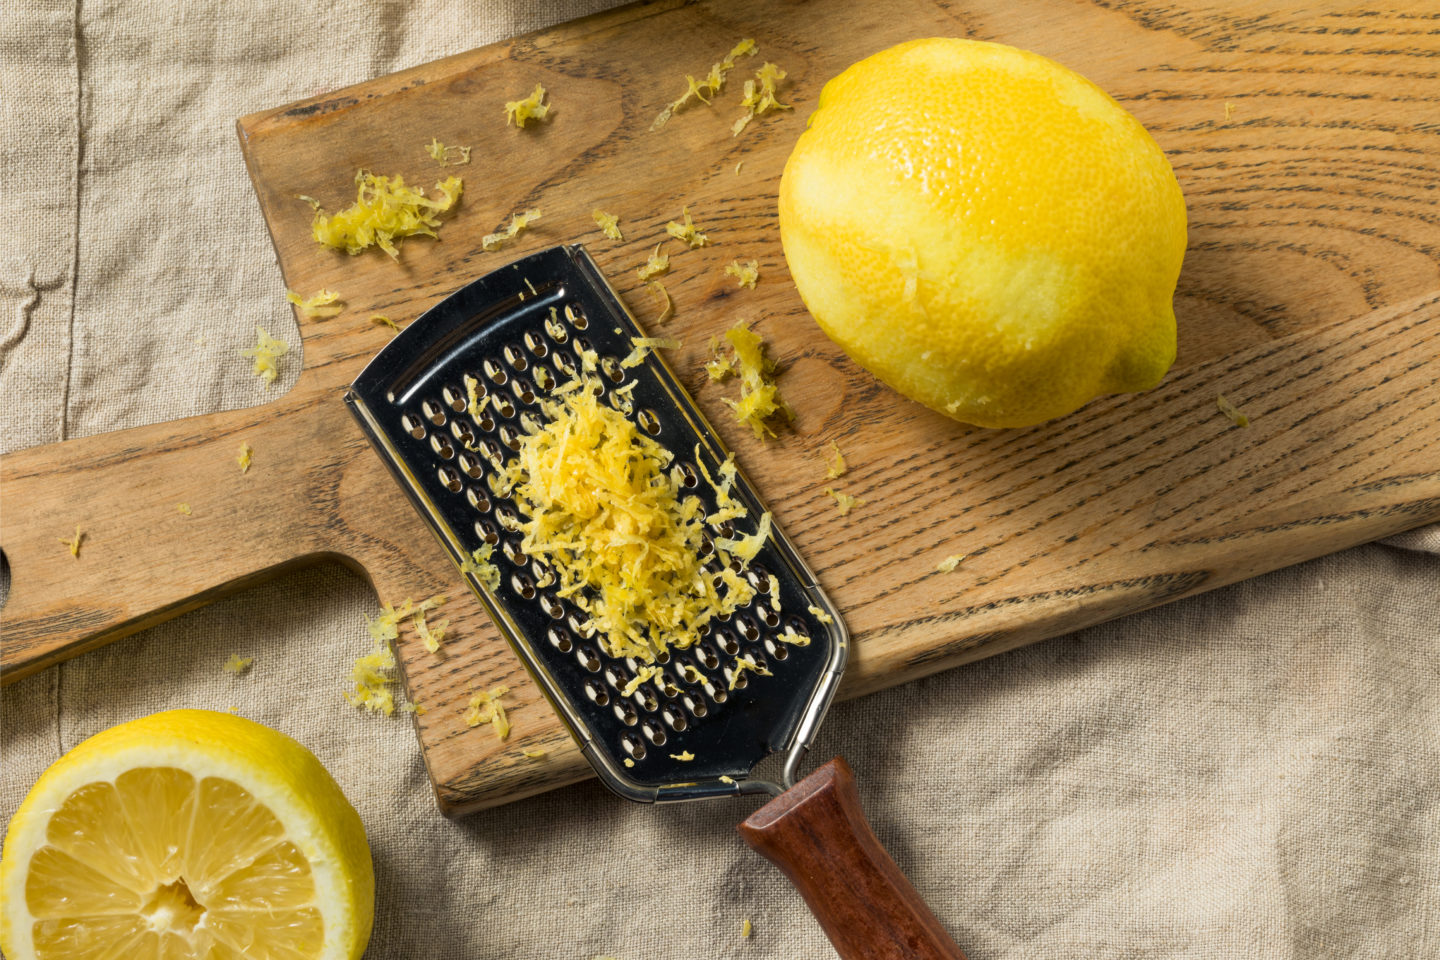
986 231
186 834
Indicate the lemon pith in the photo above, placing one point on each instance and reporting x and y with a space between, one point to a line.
985 230
186 834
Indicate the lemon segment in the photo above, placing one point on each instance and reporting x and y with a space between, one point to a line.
186 834
986 231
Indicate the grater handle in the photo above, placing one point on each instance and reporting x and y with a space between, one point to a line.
817 835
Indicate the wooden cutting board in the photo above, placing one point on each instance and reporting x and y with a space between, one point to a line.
1307 147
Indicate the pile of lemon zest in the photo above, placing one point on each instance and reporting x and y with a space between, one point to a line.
265 352
384 211
820 615
683 756
844 501
836 468
237 664
759 96
183 508
743 663
532 107
725 779
628 763
657 264
641 676
487 708
641 347
686 232
602 510
658 288
518 222
244 459
372 675
760 398
441 153
608 223
746 928
380 320
950 562
323 305
714 80
744 273
1231 411
74 542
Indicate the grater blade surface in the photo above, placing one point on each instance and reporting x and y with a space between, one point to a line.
519 332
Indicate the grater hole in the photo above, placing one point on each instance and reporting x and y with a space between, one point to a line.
747 627
616 677
706 546
529 424
796 625
553 608
524 392
576 315
717 693
470 464
758 655
727 643
575 624
771 616
696 705
441 446
505 515
674 719
777 650
544 379
736 681
597 694
509 436
564 364
626 714
477 499
708 658
612 369
504 407
632 745
516 357
413 425
583 346
433 412
486 531
557 331
727 529
666 684
689 478
450 477
495 372
536 344
461 431
523 585
649 422
454 399
586 656
654 732
513 553
647 699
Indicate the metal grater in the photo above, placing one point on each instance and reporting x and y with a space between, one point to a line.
519 331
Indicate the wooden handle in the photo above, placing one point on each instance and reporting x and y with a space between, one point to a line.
817 835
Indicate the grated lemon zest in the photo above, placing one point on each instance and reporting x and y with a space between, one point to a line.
372 675
950 562
431 635
441 154
487 708
628 763
844 501
642 346
683 756
738 166
657 264
796 639
774 585
745 273
1231 411
533 754
641 676
265 352
518 222
244 459
759 96
419 709
746 928
759 397
714 80
609 224
237 664
725 779
380 320
743 663
480 567
658 288
836 468
183 508
532 107
385 210
322 306
686 232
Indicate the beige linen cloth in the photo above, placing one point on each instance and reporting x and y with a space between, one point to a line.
1253 773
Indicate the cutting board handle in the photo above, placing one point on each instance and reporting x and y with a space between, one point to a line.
818 836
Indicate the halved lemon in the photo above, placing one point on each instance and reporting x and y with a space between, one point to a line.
186 834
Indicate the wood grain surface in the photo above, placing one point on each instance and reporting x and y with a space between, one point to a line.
1306 144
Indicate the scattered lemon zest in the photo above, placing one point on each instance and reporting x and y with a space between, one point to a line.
774 585
608 223
372 675
431 635
518 222
657 264
686 232
714 80
746 928
532 107
836 468
265 352
237 664
759 96
788 635
684 756
384 211
1231 411
725 779
642 346
380 320
950 562
745 273
759 397
641 676
738 166
441 154
244 459
480 567
487 708
1229 109
743 663
322 306
820 615
183 508
533 753
844 501
74 542
419 709
628 763
658 288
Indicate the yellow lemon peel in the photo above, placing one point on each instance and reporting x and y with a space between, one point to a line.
745 273
266 352
518 222
532 107
385 211
487 708
702 90
686 232
608 223
323 305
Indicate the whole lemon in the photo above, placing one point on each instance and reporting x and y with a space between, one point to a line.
986 231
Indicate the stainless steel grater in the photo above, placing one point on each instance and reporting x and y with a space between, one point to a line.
519 331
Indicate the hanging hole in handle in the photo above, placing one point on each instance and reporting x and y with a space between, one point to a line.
4 579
